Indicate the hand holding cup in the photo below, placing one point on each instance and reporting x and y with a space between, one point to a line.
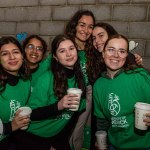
25 112
75 103
142 113
101 137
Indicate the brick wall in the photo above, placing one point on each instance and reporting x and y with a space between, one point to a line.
49 17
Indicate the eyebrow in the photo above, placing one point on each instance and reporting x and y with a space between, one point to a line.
115 48
11 49
122 49
85 23
82 22
98 34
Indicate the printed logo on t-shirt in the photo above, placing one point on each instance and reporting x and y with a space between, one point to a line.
114 108
14 105
65 115
113 104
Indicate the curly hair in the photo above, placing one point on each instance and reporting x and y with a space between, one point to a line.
71 32
60 78
23 72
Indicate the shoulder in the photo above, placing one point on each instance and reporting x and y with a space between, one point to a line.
45 77
98 82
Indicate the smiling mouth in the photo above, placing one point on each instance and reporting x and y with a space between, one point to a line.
13 63
114 61
33 56
70 59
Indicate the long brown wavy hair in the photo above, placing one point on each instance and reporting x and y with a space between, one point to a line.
60 77
71 32
23 72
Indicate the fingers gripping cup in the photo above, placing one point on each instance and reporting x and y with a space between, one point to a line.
26 111
77 92
140 110
101 137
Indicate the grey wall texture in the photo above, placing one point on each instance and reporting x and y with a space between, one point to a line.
48 18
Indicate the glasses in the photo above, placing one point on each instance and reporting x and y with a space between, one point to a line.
121 52
32 47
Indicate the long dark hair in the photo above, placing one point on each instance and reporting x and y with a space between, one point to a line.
72 24
96 63
23 71
60 78
107 27
71 32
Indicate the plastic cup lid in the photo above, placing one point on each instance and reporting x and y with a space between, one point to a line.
141 105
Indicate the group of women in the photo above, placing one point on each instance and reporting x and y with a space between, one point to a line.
87 55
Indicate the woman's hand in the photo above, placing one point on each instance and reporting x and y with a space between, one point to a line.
68 101
138 59
19 122
147 120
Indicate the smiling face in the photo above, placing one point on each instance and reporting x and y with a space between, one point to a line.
11 58
66 54
34 52
99 37
115 54
84 28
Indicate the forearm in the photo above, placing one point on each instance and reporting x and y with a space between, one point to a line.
5 128
45 112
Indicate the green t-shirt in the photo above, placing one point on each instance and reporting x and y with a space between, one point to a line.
114 99
12 98
43 67
43 95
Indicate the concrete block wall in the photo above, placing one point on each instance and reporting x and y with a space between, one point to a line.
48 18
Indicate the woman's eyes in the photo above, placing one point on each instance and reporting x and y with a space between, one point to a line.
7 53
3 53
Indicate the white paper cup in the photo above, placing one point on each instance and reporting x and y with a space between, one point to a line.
26 111
77 92
101 137
140 110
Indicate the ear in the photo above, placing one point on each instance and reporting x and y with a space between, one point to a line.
55 57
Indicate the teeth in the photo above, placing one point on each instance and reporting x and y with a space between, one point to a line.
33 56
114 61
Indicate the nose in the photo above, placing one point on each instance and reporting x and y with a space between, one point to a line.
96 40
11 56
116 53
68 53
86 29
35 50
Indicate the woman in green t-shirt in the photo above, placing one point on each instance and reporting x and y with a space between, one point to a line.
115 94
14 88
35 49
51 120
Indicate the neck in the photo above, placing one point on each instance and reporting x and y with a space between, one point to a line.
112 73
33 66
80 44
15 73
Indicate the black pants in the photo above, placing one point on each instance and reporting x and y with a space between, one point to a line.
27 141
7 144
